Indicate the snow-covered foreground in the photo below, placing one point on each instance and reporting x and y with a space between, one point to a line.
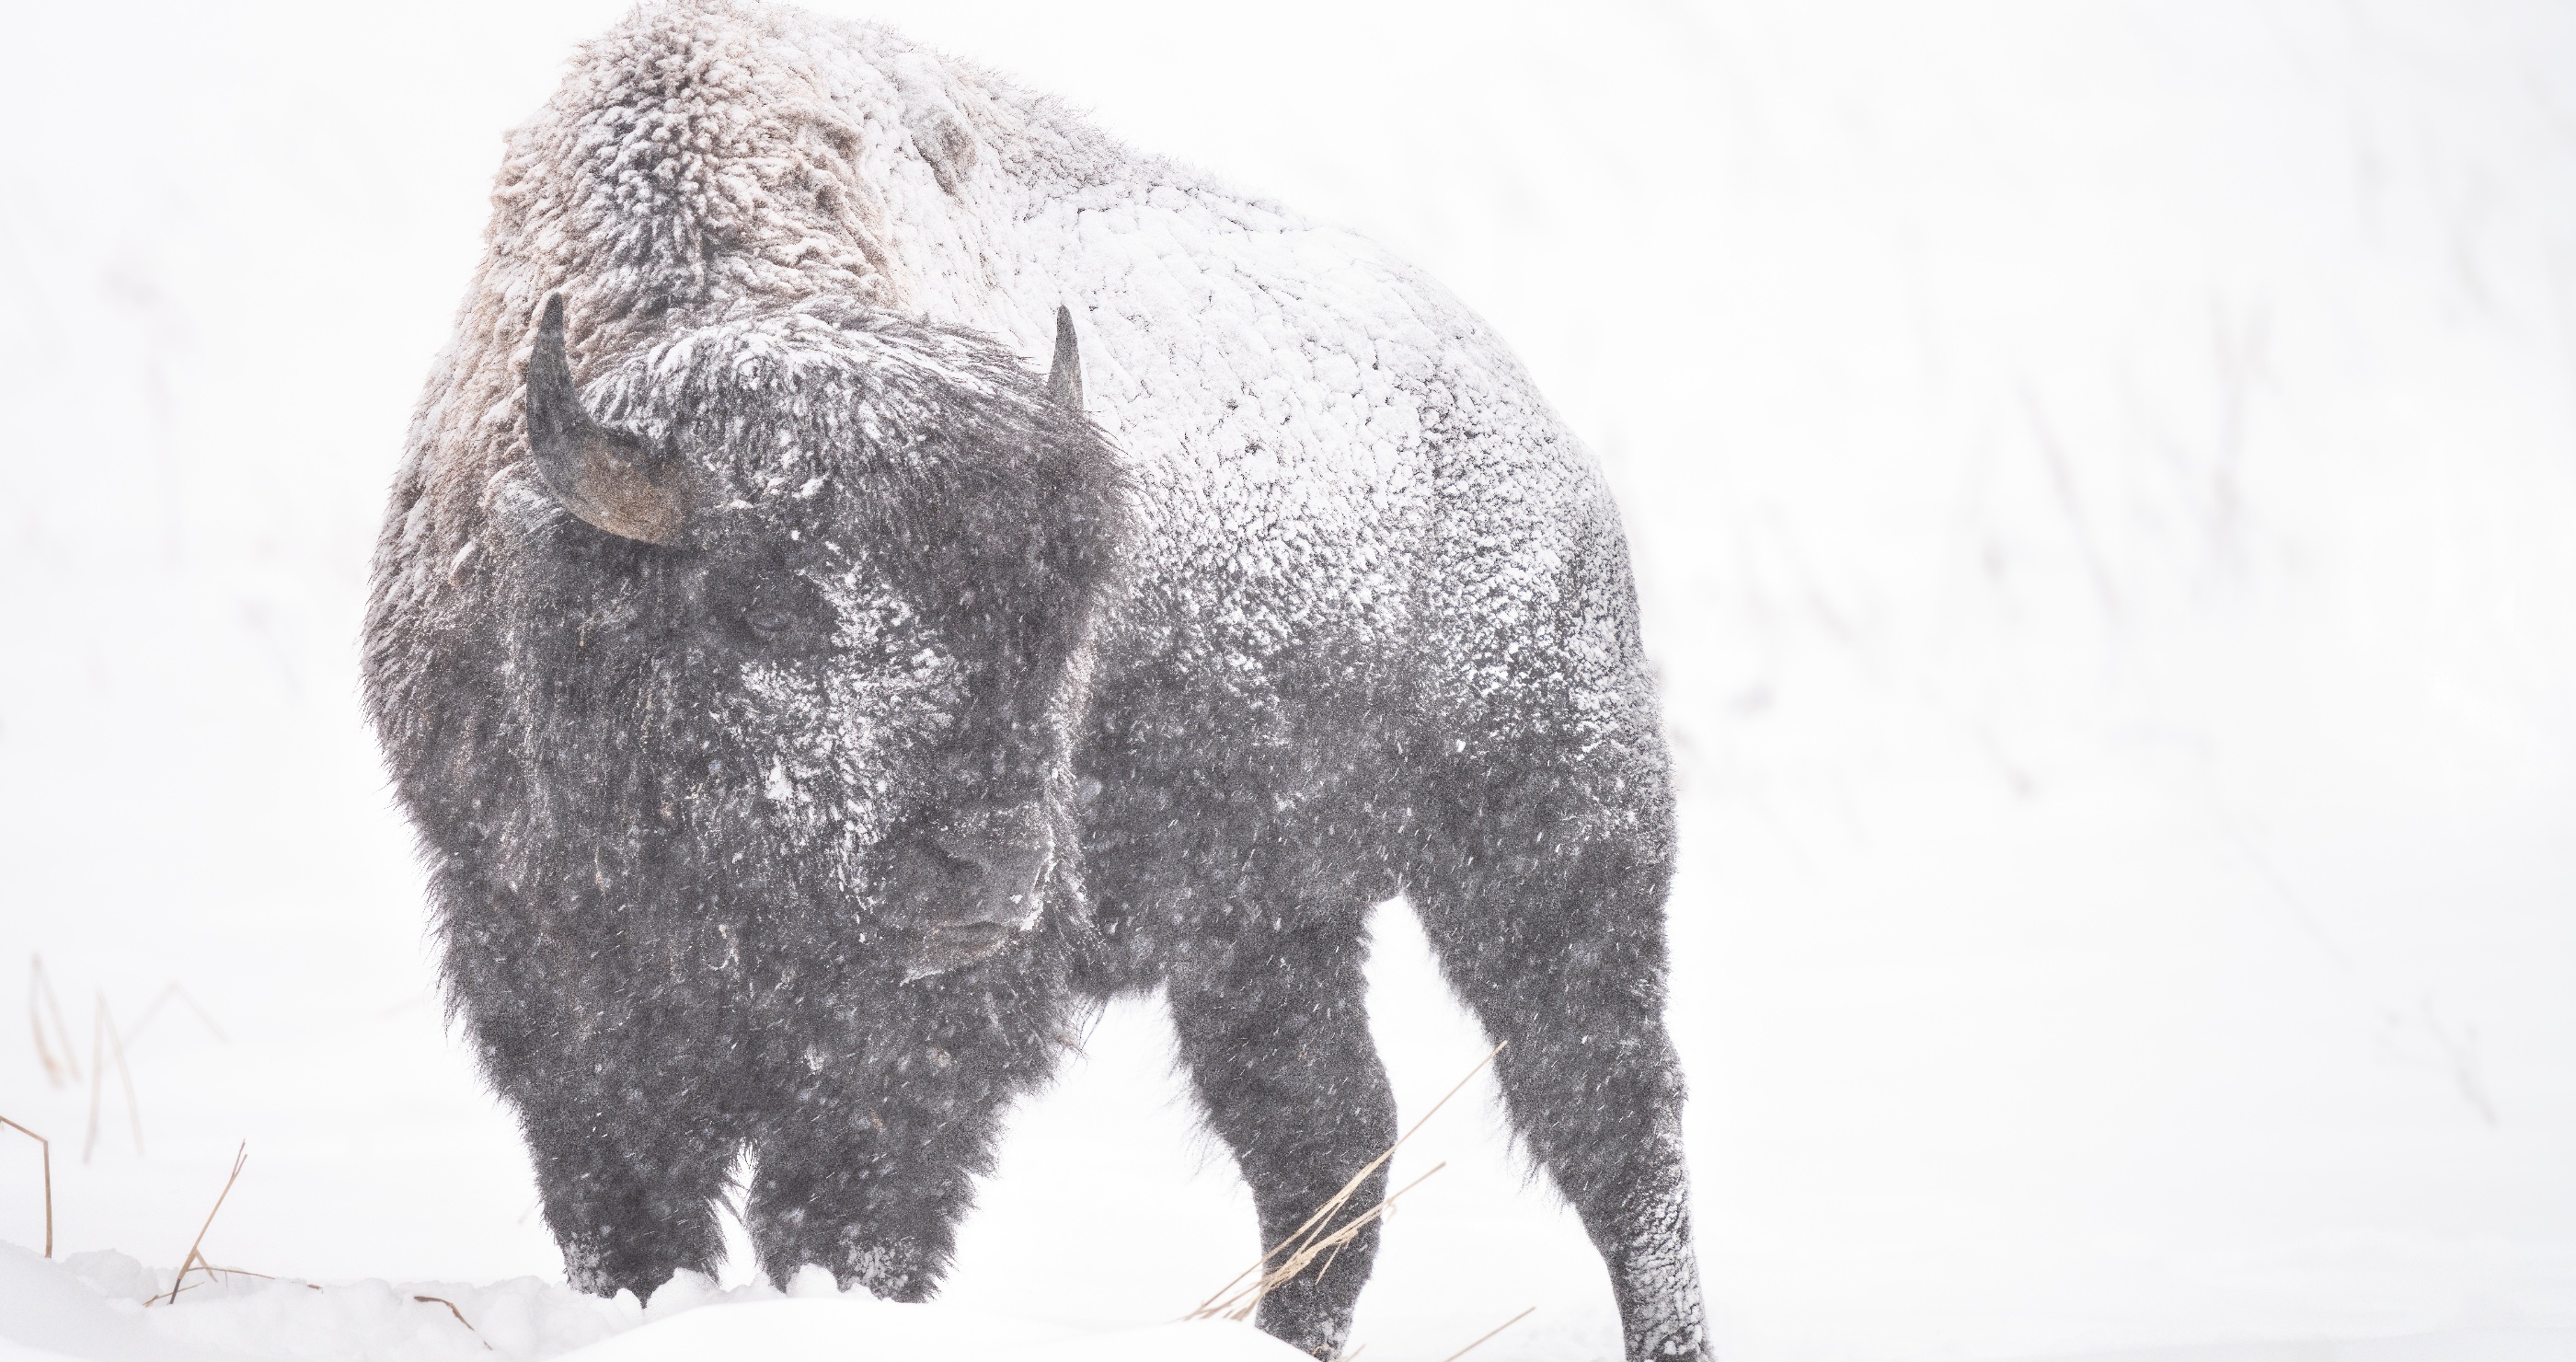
104 1305
2101 478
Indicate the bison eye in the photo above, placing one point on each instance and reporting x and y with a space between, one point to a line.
771 619
775 609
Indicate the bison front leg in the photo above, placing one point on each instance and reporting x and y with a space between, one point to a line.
627 1095
866 1161
869 1187
1274 1031
629 1183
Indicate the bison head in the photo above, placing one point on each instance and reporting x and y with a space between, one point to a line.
811 610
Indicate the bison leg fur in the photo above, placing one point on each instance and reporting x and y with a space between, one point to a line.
629 1184
866 1164
877 1207
1558 948
1274 1033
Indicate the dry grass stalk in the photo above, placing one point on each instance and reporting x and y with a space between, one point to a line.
47 1146
1462 1352
196 1258
60 1071
106 1040
102 1036
169 991
1241 1305
460 1317
1229 1301
213 1270
246 1272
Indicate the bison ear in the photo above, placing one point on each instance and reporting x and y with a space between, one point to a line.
604 475
1064 376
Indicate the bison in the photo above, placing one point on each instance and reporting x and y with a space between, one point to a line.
808 710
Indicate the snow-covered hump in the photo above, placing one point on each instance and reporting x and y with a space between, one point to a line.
1305 416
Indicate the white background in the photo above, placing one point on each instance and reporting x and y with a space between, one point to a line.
2103 479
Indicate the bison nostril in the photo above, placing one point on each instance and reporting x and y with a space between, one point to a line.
973 853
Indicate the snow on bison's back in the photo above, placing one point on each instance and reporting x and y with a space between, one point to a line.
807 708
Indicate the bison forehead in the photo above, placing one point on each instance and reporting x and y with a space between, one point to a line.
834 739
782 397
781 350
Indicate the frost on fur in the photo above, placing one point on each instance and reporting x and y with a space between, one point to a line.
807 706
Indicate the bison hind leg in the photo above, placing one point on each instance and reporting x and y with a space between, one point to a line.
1552 932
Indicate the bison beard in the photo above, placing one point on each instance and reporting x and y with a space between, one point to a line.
807 710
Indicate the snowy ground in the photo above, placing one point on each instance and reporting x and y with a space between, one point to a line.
2102 477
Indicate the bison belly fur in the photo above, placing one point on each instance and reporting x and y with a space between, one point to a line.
810 703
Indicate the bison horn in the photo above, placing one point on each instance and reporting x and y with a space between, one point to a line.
1064 376
606 476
